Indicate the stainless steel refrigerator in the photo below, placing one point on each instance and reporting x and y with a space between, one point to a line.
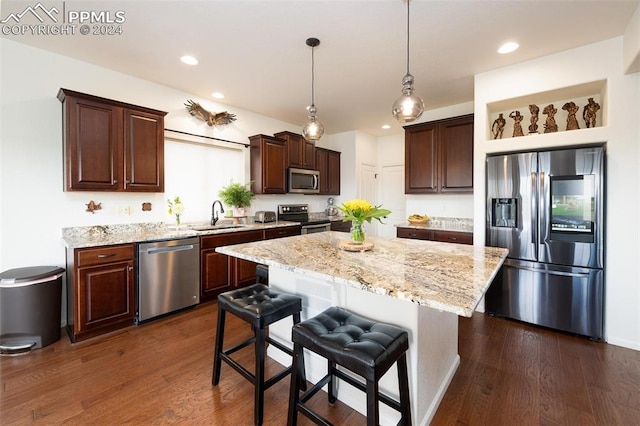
547 208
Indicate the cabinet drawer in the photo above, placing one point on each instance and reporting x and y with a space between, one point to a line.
213 241
340 226
281 232
416 234
453 237
103 255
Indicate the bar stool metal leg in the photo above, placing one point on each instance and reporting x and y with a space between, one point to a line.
217 361
259 376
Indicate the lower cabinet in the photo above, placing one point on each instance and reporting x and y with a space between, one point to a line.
341 226
100 290
435 235
219 272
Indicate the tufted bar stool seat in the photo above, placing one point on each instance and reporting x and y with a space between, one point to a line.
365 347
259 306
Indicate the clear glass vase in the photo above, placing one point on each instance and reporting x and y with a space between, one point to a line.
357 232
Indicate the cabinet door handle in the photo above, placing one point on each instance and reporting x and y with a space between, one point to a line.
130 268
104 256
115 181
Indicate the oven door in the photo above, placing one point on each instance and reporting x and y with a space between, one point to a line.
312 229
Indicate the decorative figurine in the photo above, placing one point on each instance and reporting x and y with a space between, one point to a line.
212 118
550 125
498 127
534 110
572 121
517 119
589 113
93 206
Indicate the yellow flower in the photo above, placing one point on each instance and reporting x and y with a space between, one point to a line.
360 210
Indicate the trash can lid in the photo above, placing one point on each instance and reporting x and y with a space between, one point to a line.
31 273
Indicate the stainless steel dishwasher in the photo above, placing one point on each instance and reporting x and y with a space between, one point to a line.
168 276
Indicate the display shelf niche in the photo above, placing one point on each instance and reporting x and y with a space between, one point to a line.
579 94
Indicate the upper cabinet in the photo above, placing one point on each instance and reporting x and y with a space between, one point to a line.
328 164
300 152
268 164
111 145
439 156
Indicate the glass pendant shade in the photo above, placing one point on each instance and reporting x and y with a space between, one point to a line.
407 107
313 130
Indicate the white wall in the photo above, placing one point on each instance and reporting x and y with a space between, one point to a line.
34 207
599 61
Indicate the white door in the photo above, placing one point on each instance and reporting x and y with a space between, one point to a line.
368 192
392 198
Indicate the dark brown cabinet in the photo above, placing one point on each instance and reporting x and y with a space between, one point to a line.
300 152
100 290
435 235
110 145
439 156
328 164
219 272
341 226
281 232
268 164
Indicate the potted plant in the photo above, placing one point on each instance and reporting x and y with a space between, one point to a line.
238 196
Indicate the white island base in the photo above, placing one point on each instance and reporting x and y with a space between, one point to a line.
433 342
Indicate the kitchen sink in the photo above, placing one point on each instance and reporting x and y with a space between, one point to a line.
214 227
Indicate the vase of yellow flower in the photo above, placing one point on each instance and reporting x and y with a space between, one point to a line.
175 207
359 211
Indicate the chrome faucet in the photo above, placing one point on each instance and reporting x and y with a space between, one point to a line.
214 213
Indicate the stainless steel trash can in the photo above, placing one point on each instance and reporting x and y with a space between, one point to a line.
30 304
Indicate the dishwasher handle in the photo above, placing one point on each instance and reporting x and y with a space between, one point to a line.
158 250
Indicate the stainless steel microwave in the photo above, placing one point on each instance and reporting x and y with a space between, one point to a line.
302 181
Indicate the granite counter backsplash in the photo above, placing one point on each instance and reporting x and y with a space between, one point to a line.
443 224
103 235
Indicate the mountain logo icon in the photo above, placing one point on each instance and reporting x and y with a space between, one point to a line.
39 11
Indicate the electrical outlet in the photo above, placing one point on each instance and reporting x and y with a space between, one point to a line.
124 211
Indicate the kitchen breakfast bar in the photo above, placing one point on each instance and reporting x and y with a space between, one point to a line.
422 286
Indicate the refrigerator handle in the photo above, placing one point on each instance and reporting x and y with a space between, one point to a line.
534 208
550 272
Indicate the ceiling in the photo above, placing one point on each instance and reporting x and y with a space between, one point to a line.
255 53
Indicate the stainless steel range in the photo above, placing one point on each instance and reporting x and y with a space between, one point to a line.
300 213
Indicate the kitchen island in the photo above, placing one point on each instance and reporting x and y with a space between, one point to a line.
419 285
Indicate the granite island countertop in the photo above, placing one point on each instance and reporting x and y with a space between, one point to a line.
105 235
448 277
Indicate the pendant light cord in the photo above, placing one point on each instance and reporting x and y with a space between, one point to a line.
408 1
312 75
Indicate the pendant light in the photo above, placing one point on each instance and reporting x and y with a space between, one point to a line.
313 130
407 107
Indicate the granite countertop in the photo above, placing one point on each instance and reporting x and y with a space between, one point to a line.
443 224
105 235
443 276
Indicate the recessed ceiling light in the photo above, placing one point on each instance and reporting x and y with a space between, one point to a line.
189 60
217 95
386 126
508 47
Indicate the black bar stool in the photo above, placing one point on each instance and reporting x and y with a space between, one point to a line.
262 274
260 306
360 345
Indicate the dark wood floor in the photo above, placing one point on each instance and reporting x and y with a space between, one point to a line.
160 373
